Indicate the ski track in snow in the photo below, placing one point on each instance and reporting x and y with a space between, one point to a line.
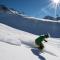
17 43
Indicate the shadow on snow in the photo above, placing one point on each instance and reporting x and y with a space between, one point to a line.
37 53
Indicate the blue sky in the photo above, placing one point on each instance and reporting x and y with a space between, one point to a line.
36 8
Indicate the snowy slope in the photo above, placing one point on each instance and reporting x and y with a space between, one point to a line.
11 34
13 37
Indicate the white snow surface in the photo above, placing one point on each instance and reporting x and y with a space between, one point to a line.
19 45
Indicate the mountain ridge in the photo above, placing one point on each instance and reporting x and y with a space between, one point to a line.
30 24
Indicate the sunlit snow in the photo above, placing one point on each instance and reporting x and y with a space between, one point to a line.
14 46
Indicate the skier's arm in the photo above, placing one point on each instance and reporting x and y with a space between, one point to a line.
45 40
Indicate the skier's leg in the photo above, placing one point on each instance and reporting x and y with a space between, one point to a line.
41 47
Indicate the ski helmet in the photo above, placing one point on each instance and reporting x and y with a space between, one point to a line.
46 35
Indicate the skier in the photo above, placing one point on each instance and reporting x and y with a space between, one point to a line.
39 41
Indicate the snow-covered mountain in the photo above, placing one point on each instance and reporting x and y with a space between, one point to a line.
4 9
33 25
19 44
